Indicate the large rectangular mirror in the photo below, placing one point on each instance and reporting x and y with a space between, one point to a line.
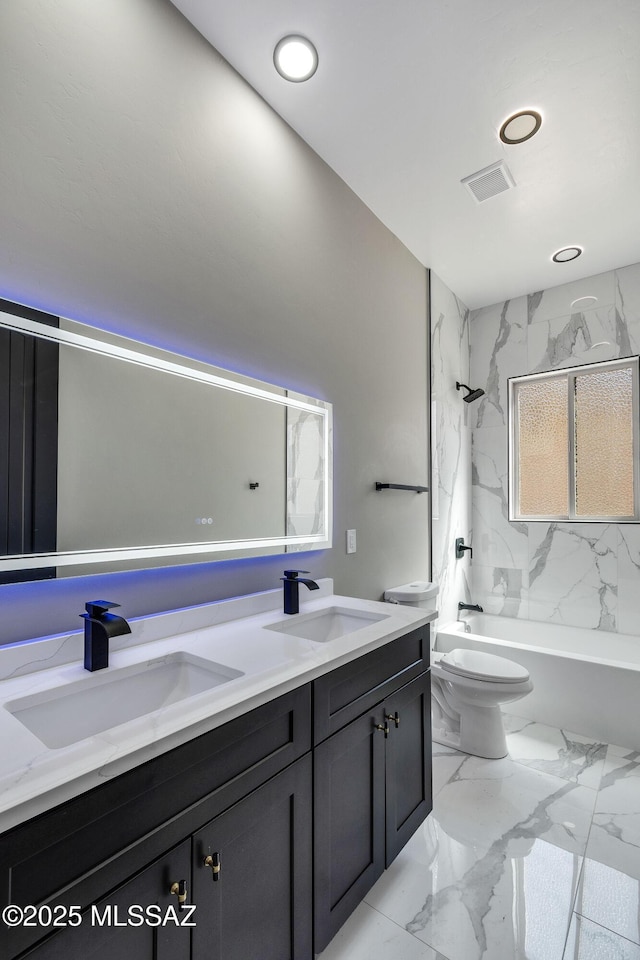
115 455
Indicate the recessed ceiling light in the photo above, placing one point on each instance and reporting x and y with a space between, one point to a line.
566 254
584 301
295 58
520 126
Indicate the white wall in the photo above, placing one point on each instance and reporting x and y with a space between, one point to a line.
582 574
148 190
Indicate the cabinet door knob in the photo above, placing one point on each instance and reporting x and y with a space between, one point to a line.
214 863
179 889
384 727
393 716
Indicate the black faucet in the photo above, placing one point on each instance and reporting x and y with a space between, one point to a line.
470 606
99 626
291 582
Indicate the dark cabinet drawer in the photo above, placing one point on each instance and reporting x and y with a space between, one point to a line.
75 852
345 693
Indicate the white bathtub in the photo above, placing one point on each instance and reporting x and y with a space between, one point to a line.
585 681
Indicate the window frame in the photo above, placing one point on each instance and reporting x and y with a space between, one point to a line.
569 374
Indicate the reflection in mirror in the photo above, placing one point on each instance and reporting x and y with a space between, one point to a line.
119 454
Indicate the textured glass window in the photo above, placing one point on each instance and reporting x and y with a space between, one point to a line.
543 431
574 443
604 443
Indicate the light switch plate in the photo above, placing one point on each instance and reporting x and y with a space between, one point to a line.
351 541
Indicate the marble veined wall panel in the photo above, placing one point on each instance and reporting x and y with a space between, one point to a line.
628 578
573 574
579 574
498 541
582 337
628 303
451 447
557 301
498 351
502 591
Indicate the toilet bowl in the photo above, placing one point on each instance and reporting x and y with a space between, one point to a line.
467 688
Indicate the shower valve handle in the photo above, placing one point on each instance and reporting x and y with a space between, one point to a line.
460 548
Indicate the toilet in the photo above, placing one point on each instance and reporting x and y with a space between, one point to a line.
467 687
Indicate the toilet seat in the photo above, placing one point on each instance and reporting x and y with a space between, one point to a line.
477 665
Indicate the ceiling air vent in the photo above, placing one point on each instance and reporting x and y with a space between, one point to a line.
487 183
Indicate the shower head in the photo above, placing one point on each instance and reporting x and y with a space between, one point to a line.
472 395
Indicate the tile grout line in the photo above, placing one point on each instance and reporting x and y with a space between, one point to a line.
602 926
440 954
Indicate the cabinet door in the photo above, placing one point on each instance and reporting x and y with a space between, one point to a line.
408 762
259 908
110 932
348 821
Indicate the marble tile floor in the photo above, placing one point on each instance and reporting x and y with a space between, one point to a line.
534 857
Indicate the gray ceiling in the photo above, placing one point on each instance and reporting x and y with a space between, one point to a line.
409 97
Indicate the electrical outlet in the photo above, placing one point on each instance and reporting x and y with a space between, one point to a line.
351 541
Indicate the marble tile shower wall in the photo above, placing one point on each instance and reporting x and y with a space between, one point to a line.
579 574
451 446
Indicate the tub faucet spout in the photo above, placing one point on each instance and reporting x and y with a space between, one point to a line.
470 606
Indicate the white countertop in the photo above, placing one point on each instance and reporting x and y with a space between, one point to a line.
34 778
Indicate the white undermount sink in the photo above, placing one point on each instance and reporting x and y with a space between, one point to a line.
325 625
107 698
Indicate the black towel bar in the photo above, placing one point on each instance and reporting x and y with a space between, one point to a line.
401 486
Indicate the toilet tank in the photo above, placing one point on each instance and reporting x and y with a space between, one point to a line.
418 593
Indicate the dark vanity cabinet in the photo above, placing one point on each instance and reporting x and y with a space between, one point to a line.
118 844
372 776
275 824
